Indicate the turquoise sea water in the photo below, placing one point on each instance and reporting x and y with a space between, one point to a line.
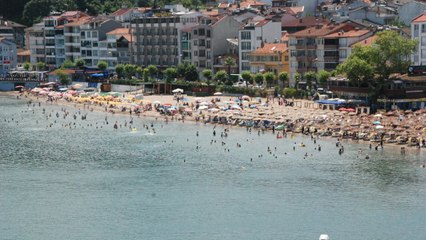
99 183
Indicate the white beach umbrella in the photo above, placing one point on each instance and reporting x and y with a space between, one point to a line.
177 90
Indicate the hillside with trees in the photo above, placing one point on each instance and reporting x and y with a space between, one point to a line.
29 12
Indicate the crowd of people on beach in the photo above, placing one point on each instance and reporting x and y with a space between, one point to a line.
394 127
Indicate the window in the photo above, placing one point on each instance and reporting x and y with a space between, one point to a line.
245 35
293 53
423 41
259 38
342 53
201 32
208 44
195 53
245 45
195 42
245 56
423 28
245 66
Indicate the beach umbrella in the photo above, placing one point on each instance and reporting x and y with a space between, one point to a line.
217 93
379 127
204 103
177 90
376 122
19 86
157 102
245 97
342 109
203 107
235 107
77 86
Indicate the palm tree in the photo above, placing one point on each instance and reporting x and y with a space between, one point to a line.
229 62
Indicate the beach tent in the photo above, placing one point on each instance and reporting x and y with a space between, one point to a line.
177 90
217 93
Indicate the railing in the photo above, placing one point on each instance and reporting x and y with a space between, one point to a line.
19 79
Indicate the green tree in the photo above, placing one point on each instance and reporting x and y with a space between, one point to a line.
35 10
297 78
283 77
290 92
310 78
139 72
323 77
63 78
27 66
80 62
389 54
68 64
102 65
145 75
181 69
247 77
119 69
229 62
259 78
221 76
129 70
358 71
207 74
152 70
269 79
41 66
170 73
191 73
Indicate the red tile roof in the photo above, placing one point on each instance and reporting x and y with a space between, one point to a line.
366 42
308 21
270 48
421 18
350 33
323 30
120 11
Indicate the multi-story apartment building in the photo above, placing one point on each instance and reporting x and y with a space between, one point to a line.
118 43
8 55
35 42
253 35
323 47
12 31
156 37
200 44
418 32
46 39
93 41
271 57
72 38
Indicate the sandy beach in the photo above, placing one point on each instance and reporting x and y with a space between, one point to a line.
258 114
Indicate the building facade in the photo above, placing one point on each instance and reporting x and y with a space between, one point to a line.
94 45
202 43
156 37
252 36
323 47
418 32
271 57
8 55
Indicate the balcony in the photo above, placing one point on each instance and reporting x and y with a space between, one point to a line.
331 46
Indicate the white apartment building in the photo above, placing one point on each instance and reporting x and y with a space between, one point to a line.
251 37
156 37
418 32
35 43
94 44
8 55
